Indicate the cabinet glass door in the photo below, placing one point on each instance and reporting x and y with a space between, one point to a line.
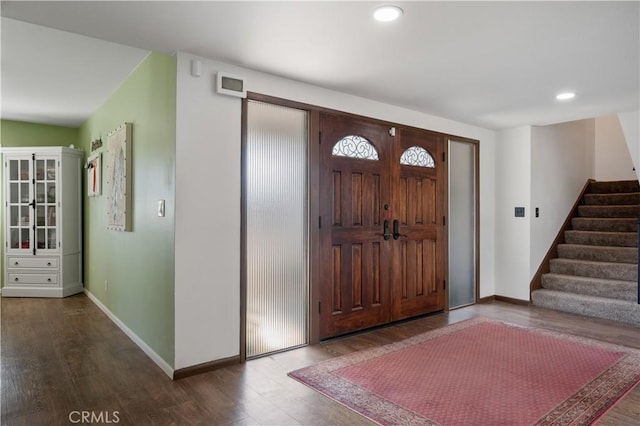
46 204
19 210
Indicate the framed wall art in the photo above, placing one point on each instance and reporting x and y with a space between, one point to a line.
117 173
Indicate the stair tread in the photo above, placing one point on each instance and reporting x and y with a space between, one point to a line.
605 224
608 211
589 297
610 205
597 247
593 262
598 253
602 232
589 279
625 198
588 305
605 194
600 287
596 269
606 218
614 187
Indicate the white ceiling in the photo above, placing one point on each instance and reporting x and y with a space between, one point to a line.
492 64
55 77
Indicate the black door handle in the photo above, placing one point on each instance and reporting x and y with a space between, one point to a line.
385 230
396 230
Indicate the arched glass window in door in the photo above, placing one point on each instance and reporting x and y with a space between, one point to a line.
417 156
355 147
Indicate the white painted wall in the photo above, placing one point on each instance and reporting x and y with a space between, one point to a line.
561 164
630 123
488 224
612 158
207 281
207 268
590 131
513 189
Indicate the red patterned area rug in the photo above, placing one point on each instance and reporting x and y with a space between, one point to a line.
480 372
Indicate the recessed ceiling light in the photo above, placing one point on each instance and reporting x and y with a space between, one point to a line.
565 96
387 13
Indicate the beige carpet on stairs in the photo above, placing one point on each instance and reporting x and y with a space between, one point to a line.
596 272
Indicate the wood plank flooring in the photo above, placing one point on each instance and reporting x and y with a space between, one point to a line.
64 356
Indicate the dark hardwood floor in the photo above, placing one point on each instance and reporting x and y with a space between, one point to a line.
61 357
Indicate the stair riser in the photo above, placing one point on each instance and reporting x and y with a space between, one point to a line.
621 290
604 225
612 271
611 199
628 239
613 187
599 254
589 306
608 211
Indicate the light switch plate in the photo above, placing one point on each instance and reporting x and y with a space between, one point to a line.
160 208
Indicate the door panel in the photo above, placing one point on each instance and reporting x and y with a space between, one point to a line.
417 273
417 198
417 266
355 283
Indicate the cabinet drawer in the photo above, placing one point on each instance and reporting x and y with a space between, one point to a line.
32 262
38 279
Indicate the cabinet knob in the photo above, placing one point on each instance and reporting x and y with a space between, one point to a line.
16 279
16 263
48 263
48 280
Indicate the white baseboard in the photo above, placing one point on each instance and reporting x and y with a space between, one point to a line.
133 336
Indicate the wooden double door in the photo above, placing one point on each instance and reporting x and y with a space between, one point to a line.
382 230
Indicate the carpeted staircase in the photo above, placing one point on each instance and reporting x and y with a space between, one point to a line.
596 271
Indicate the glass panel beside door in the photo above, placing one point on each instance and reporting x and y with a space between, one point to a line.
462 223
275 158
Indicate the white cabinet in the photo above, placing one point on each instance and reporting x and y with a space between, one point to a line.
42 222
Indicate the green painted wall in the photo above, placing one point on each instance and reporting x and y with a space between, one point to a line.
20 133
138 265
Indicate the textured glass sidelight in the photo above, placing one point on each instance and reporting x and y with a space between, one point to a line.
355 147
276 228
417 156
462 219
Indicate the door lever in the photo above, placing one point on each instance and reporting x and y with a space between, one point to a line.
396 230
385 230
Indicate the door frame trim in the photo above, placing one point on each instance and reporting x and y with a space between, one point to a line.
313 190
